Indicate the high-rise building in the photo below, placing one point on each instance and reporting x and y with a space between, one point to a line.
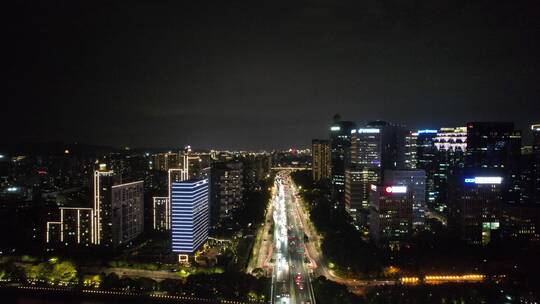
392 138
536 165
521 222
527 171
415 182
340 144
166 161
77 225
475 205
127 212
451 139
390 219
118 209
226 190
256 168
160 213
190 166
496 146
536 137
426 158
190 216
366 148
116 217
358 181
321 161
376 147
103 208
451 144
74 228
410 150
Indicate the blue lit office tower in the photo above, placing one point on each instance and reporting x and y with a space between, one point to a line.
189 215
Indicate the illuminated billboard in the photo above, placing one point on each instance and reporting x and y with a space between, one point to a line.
492 180
395 189
369 130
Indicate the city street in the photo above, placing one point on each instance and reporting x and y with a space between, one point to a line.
262 248
291 281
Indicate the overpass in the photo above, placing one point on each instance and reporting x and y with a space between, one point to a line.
290 168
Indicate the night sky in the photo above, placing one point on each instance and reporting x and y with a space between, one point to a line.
262 74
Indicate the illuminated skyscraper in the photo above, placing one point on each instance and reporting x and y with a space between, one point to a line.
365 170
116 217
190 216
426 159
321 161
392 144
415 181
366 148
256 168
75 227
160 213
340 145
226 190
496 146
127 212
103 210
536 138
536 164
410 150
475 205
118 210
357 187
391 217
521 222
166 161
451 144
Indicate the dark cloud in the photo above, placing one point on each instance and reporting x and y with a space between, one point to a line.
262 74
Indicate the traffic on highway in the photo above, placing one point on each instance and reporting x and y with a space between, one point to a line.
291 280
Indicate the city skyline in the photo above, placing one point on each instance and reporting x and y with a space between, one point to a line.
270 152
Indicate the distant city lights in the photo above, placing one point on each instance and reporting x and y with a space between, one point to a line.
484 180
335 128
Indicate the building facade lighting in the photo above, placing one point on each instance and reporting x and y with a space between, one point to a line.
369 130
482 180
396 189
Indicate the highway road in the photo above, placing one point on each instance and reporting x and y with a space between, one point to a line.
291 280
